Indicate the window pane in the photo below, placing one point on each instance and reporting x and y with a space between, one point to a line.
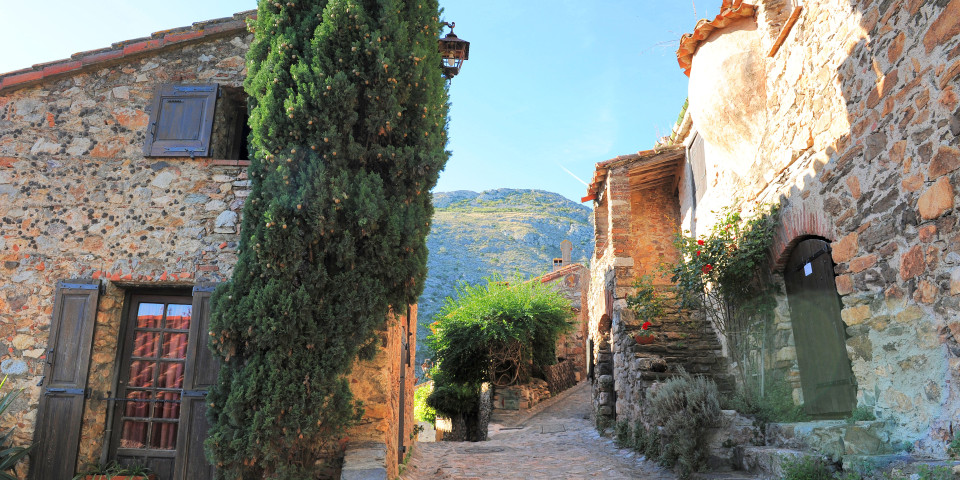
149 314
178 316
134 408
145 344
175 345
171 375
134 434
165 434
141 373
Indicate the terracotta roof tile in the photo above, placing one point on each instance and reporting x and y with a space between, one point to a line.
127 48
730 11
563 271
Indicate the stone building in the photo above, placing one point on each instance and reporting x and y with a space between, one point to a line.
122 180
846 113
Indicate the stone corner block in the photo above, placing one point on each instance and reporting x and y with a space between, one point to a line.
365 461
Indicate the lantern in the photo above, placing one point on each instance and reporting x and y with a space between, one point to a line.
453 52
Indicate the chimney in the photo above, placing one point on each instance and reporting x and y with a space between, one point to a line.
566 247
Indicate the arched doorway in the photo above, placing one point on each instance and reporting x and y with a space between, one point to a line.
829 387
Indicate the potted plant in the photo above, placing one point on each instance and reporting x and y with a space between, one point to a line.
115 471
9 454
645 337
647 305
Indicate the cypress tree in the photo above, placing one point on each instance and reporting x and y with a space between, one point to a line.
348 114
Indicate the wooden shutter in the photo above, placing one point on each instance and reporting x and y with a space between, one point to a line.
829 388
57 435
181 121
201 372
698 164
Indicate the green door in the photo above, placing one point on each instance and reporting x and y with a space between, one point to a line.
829 388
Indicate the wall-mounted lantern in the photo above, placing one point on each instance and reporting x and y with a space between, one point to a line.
453 51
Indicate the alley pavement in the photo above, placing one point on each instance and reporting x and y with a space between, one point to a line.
554 440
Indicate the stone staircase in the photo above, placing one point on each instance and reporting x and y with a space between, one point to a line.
739 450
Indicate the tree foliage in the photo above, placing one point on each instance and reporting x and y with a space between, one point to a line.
348 116
496 331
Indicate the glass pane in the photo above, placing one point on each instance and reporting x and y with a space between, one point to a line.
141 373
175 345
149 315
171 375
134 434
134 408
165 434
145 344
178 316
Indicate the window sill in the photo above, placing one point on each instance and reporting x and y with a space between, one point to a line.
230 163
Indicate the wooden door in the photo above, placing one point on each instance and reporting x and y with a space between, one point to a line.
59 415
829 387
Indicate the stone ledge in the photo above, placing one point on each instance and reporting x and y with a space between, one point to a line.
365 461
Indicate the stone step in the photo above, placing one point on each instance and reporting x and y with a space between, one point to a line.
765 462
835 438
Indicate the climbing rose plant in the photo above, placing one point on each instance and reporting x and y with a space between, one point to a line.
725 273
348 111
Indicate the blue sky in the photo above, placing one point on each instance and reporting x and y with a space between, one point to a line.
550 85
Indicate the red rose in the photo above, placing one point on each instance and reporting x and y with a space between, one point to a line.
698 253
699 242
645 326
706 268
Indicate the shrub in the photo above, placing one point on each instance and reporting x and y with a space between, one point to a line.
422 412
621 434
806 468
861 413
684 406
954 448
775 406
498 331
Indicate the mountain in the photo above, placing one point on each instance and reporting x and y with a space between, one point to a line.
507 231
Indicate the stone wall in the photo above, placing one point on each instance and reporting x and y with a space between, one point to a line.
79 200
572 281
642 222
375 382
858 129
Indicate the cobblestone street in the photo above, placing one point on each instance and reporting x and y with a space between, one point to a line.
554 440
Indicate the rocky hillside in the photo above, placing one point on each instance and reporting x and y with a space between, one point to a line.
504 231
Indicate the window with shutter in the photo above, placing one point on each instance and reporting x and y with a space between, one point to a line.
181 121
697 156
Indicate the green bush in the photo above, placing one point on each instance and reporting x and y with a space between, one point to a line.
498 331
684 406
806 468
954 448
861 413
621 434
495 332
422 412
453 399
775 406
